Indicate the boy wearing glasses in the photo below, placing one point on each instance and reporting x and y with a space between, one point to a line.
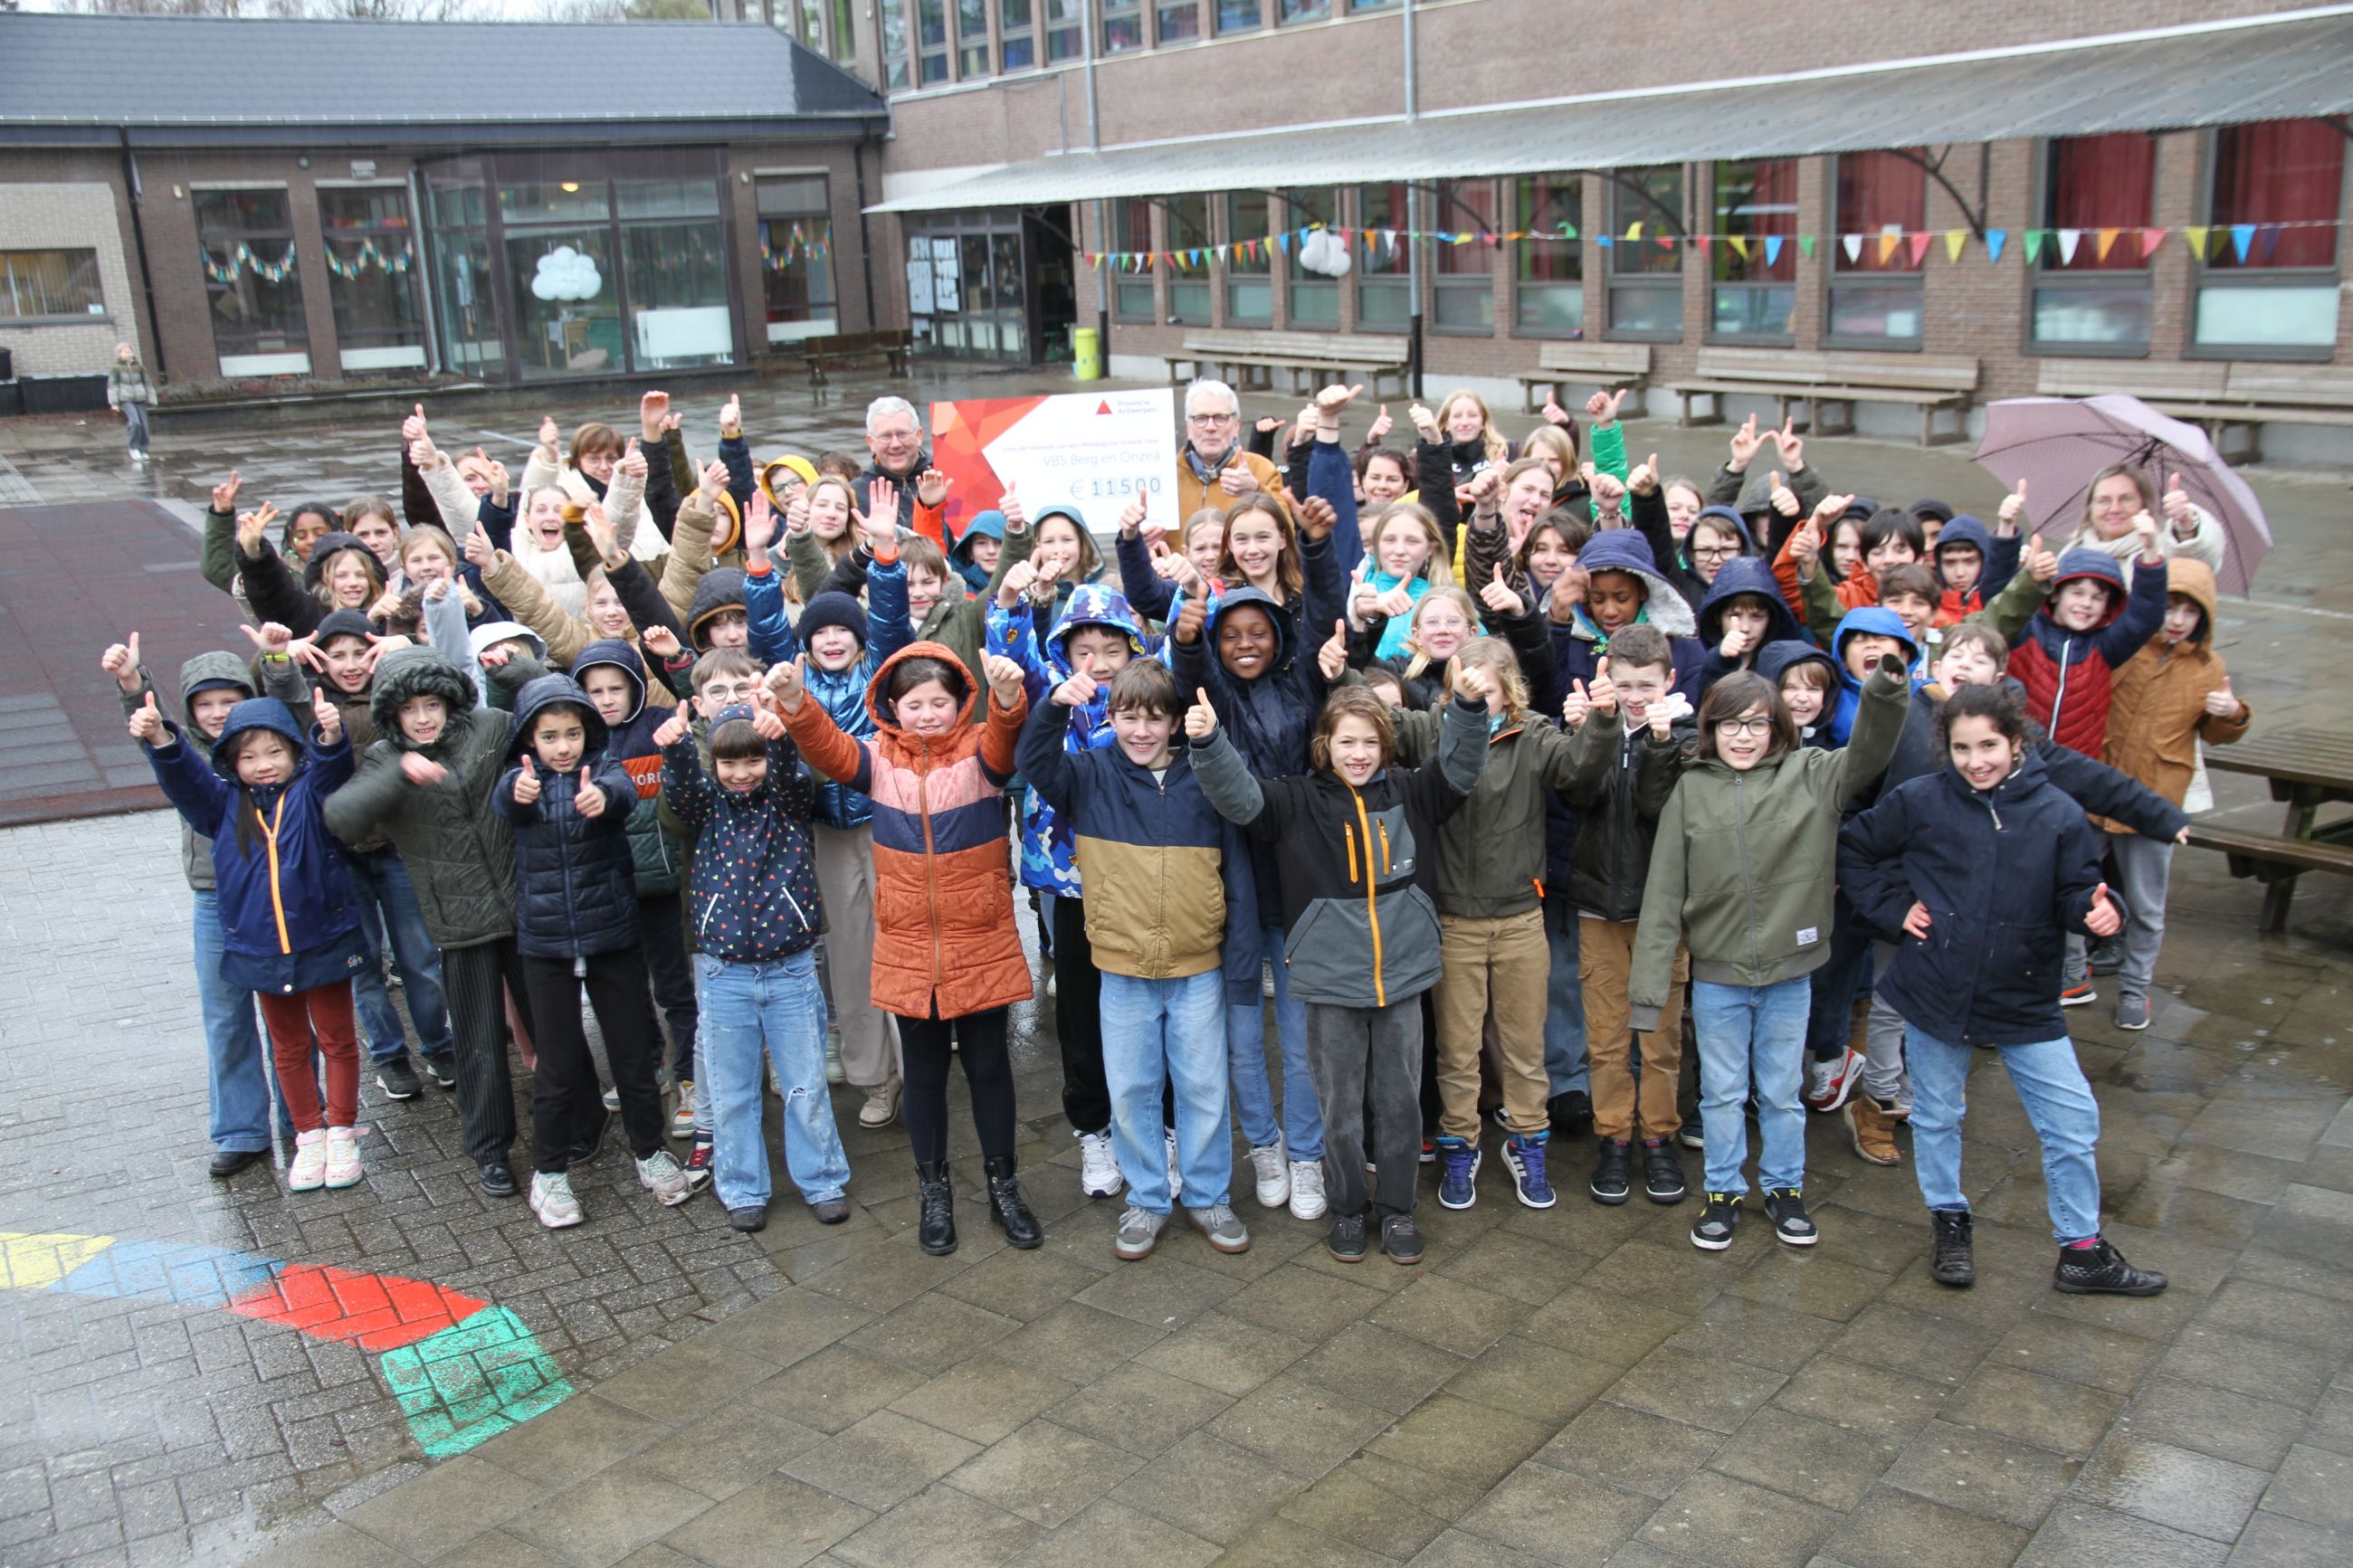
1215 469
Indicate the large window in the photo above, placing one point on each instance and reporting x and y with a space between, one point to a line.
1066 30
1239 15
674 272
253 282
1131 292
1753 270
1549 298
2090 282
1883 197
465 291
1017 38
1123 25
1179 21
844 41
972 39
1286 12
795 258
1249 278
1384 268
898 56
1646 276
2270 279
1188 287
1463 284
371 277
1315 297
50 284
931 42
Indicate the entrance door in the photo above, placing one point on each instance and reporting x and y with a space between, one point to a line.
1053 284
970 269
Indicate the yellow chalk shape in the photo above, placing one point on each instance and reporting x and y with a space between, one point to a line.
30 1261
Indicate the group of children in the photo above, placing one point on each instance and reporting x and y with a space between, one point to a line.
1586 747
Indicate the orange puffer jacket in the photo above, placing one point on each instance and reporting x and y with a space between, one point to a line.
944 942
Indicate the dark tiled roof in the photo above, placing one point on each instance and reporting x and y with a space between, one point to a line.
233 78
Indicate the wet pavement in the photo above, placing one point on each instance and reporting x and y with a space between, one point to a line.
194 1370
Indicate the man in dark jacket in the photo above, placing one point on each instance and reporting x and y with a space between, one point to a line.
895 441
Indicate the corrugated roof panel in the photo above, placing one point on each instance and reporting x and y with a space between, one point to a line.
2261 69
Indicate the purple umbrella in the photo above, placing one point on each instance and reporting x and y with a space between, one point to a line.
2057 444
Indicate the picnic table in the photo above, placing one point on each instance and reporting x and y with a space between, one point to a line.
2308 769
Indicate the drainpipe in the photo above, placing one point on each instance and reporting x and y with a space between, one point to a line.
139 245
865 238
1102 208
1413 226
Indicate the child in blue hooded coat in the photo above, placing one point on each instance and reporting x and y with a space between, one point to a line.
290 922
1741 613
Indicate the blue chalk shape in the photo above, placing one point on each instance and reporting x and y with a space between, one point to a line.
188 1274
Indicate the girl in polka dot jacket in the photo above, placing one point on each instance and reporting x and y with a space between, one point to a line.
752 898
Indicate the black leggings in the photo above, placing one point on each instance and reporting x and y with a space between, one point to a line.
566 1101
1078 1020
987 1073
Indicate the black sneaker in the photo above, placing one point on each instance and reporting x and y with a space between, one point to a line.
1401 1239
831 1211
749 1218
1346 1238
227 1162
1662 1172
2107 955
699 1163
442 1069
1786 1208
2100 1269
1953 1262
1694 1134
586 1147
397 1079
1571 1112
497 1180
1717 1222
1612 1182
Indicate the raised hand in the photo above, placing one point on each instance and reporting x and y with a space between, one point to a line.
1602 407
1200 720
653 413
2221 703
497 474
386 605
1187 630
1792 444
526 785
1016 519
730 416
121 661
1568 594
1917 923
1498 597
600 533
633 461
1736 642
327 717
147 722
1317 518
1424 422
1644 479
796 511
1332 657
379 645
2145 527
1041 582
250 526
2041 564
712 479
1806 547
420 769
224 494
1381 422
882 500
932 487
588 801
766 724
1664 713
2005 522
550 437
1077 691
1132 515
1334 398
1473 684
494 657
1014 583
1484 490
2178 509
412 430
1608 491
759 524
1602 695
1744 443
1003 680
1236 480
269 638
671 729
1554 414
788 684
481 554
1574 706
659 641
2104 919
1783 499
1267 424
423 455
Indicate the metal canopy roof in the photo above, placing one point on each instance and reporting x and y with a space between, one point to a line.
2263 69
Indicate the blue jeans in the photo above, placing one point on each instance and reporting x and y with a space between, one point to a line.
240 1084
1566 1063
2050 1084
1759 1032
1303 1118
387 901
1156 1033
752 1012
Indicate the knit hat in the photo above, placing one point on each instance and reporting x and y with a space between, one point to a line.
722 589
342 623
326 547
832 608
1927 507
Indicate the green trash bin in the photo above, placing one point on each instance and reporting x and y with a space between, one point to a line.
1086 354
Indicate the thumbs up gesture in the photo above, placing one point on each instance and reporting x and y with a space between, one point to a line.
1498 597
2103 918
1077 691
122 661
2041 564
327 717
1200 720
2178 509
1332 658
2013 506
147 722
526 787
2221 703
590 800
1602 695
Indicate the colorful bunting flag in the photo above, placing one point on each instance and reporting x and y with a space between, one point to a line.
2033 245
1805 247
2197 234
1920 244
2069 239
2241 235
1853 244
2150 239
1773 250
2107 241
1954 239
1995 237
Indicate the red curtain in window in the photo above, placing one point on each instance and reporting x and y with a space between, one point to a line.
2279 172
1469 208
1136 225
1758 201
2097 182
1876 190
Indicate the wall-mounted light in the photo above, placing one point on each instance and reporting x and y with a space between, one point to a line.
177 194
571 187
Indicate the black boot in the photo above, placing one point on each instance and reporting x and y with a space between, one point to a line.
2100 1269
1953 1261
935 1231
1009 1207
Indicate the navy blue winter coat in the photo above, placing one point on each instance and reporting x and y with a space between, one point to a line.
753 893
288 920
1747 575
2005 875
577 884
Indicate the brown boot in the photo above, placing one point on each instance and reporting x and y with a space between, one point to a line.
1873 1126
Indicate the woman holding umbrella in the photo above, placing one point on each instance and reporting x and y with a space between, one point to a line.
2121 492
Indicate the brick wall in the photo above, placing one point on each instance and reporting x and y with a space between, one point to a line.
70 214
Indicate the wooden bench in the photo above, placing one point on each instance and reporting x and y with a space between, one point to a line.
2239 396
1257 354
1607 365
2272 858
822 354
1819 390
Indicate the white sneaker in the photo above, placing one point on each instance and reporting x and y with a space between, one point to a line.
660 1174
1307 1189
342 1157
1176 1177
881 1107
308 1173
552 1200
1273 1174
1098 1167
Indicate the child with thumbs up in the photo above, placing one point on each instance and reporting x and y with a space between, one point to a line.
577 925
2167 699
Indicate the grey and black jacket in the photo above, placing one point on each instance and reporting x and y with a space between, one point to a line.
202 673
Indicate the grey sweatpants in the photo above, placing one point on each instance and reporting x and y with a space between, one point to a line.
1349 1048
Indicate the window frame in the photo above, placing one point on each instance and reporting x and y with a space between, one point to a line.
2201 272
225 351
1790 252
2044 276
1127 11
347 339
1121 211
1180 282
898 69
43 318
1661 282
1062 25
1008 36
1297 278
1469 282
1217 19
1163 9
1322 11
761 219
1836 276
1398 283
1235 269
1524 252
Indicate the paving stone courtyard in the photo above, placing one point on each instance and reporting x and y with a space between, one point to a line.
194 1370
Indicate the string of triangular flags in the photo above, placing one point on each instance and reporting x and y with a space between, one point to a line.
2207 242
776 257
243 260
396 262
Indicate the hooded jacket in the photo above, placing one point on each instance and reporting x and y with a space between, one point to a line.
1775 659
1648 512
955 620
1741 574
774 639
1741 871
205 672
1358 867
1579 646
2070 676
989 524
2004 874
660 860
1491 853
753 895
459 851
721 590
1048 860
1618 809
1868 620
1998 564
575 882
289 921
945 943
2156 707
